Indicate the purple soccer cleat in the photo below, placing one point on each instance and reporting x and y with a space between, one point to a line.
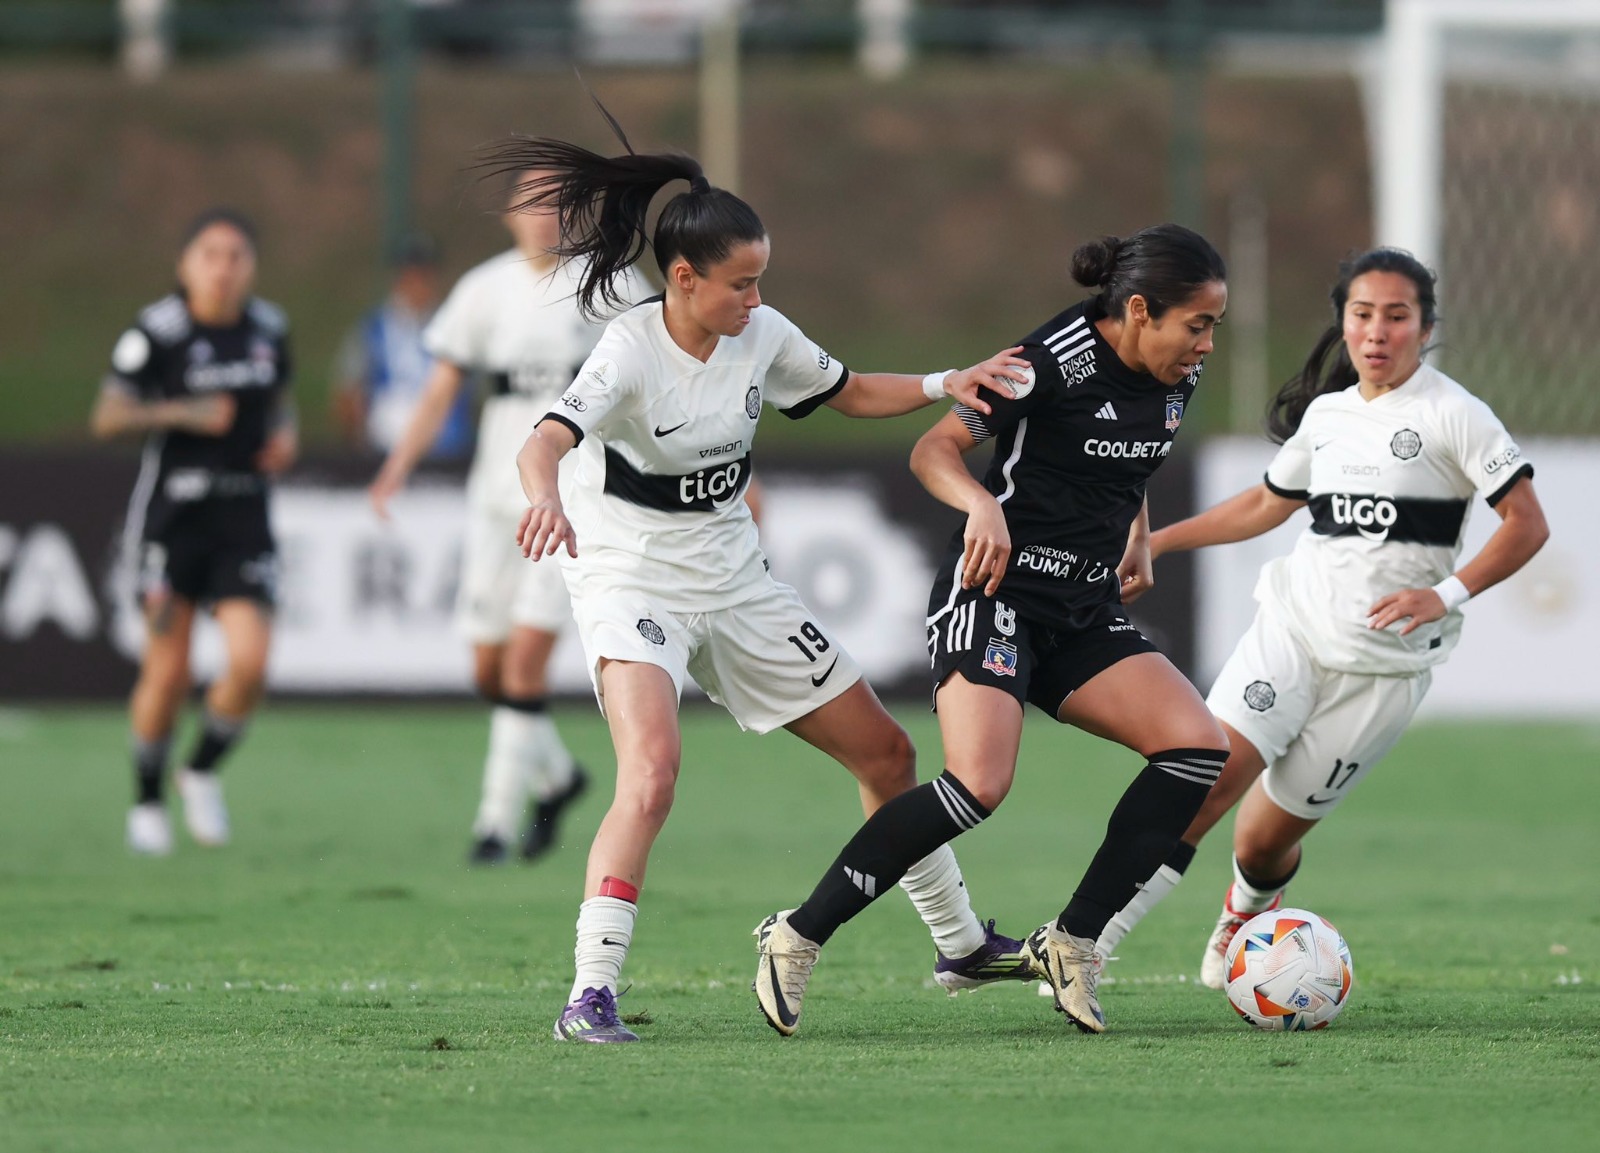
999 958
593 1018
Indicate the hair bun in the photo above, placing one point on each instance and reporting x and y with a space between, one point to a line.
1094 262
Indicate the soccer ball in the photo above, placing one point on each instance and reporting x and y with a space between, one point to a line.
1288 969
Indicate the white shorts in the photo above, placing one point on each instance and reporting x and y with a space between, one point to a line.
501 588
766 660
1319 731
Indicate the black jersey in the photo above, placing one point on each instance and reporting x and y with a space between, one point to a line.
1072 454
167 355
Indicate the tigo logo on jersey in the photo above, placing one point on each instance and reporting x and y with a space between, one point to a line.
1000 658
651 631
1364 512
1174 412
1405 444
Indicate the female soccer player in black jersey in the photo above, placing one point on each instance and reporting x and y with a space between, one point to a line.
659 549
203 375
1027 608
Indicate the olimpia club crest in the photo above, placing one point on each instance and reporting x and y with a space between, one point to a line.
1174 412
1406 444
752 402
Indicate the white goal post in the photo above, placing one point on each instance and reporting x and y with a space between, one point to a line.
1408 117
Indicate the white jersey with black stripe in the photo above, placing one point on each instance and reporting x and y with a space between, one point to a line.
1389 483
663 453
522 329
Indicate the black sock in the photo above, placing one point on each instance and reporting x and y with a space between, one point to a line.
1267 886
524 704
894 838
1181 857
217 735
149 769
1147 822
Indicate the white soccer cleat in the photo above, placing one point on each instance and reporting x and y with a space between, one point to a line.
784 967
1072 967
204 811
1214 965
150 830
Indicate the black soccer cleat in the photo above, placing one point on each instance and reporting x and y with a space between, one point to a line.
490 850
540 836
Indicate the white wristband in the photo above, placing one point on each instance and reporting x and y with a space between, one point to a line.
1452 592
933 384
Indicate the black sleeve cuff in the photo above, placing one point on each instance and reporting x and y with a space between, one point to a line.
1499 494
1286 493
811 403
577 433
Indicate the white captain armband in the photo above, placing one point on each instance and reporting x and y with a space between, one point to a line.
1452 592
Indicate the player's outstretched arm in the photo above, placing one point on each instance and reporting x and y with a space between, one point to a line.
986 541
117 412
545 527
877 394
1522 533
433 409
1241 517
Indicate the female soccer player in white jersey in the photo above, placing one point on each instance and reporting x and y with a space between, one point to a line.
1387 452
1026 609
668 580
203 375
515 319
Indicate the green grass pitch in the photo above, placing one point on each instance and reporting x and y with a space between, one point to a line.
338 979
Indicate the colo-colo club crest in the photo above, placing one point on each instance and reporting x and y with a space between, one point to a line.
1174 412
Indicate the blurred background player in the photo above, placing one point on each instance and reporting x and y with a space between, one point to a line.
514 319
1387 452
661 550
1026 609
203 375
384 364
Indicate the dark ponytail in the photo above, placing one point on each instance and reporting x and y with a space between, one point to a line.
1165 263
603 202
1328 367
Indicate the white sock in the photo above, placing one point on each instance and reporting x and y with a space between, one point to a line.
935 887
1246 898
1150 894
605 930
553 763
505 776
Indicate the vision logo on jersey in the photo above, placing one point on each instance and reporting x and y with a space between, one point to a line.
1000 658
1405 444
752 399
1260 696
1174 412
651 631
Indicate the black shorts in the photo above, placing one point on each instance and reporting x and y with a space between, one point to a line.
212 551
989 643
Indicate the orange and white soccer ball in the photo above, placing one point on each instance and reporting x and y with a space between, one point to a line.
1288 970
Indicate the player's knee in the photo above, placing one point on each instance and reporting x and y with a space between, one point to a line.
988 783
166 678
890 765
646 795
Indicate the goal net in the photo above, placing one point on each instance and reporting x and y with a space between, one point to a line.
1487 122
